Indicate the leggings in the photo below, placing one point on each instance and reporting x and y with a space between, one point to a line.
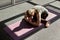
44 16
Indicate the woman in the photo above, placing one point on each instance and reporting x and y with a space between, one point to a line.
37 15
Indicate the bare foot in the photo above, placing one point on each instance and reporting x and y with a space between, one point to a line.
47 24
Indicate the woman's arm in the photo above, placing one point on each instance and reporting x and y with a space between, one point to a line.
26 18
29 19
33 23
36 23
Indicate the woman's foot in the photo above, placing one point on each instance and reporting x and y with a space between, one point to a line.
47 24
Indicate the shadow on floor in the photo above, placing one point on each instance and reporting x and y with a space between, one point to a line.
25 25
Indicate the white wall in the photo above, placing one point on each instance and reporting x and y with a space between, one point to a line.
6 2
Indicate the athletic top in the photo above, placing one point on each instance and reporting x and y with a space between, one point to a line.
40 9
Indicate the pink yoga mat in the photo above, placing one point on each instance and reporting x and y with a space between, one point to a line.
22 27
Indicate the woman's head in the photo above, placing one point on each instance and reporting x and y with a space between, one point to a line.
32 12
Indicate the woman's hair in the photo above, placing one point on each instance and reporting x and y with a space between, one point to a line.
36 14
28 14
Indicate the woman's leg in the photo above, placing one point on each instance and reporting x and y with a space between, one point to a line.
46 23
44 15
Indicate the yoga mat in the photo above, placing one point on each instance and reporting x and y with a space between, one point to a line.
21 29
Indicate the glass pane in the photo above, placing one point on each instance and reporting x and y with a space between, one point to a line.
4 2
21 0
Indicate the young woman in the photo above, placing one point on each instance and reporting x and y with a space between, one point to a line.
37 15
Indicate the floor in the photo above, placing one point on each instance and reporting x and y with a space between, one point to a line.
15 13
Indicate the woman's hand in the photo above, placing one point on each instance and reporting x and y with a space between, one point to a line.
29 19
